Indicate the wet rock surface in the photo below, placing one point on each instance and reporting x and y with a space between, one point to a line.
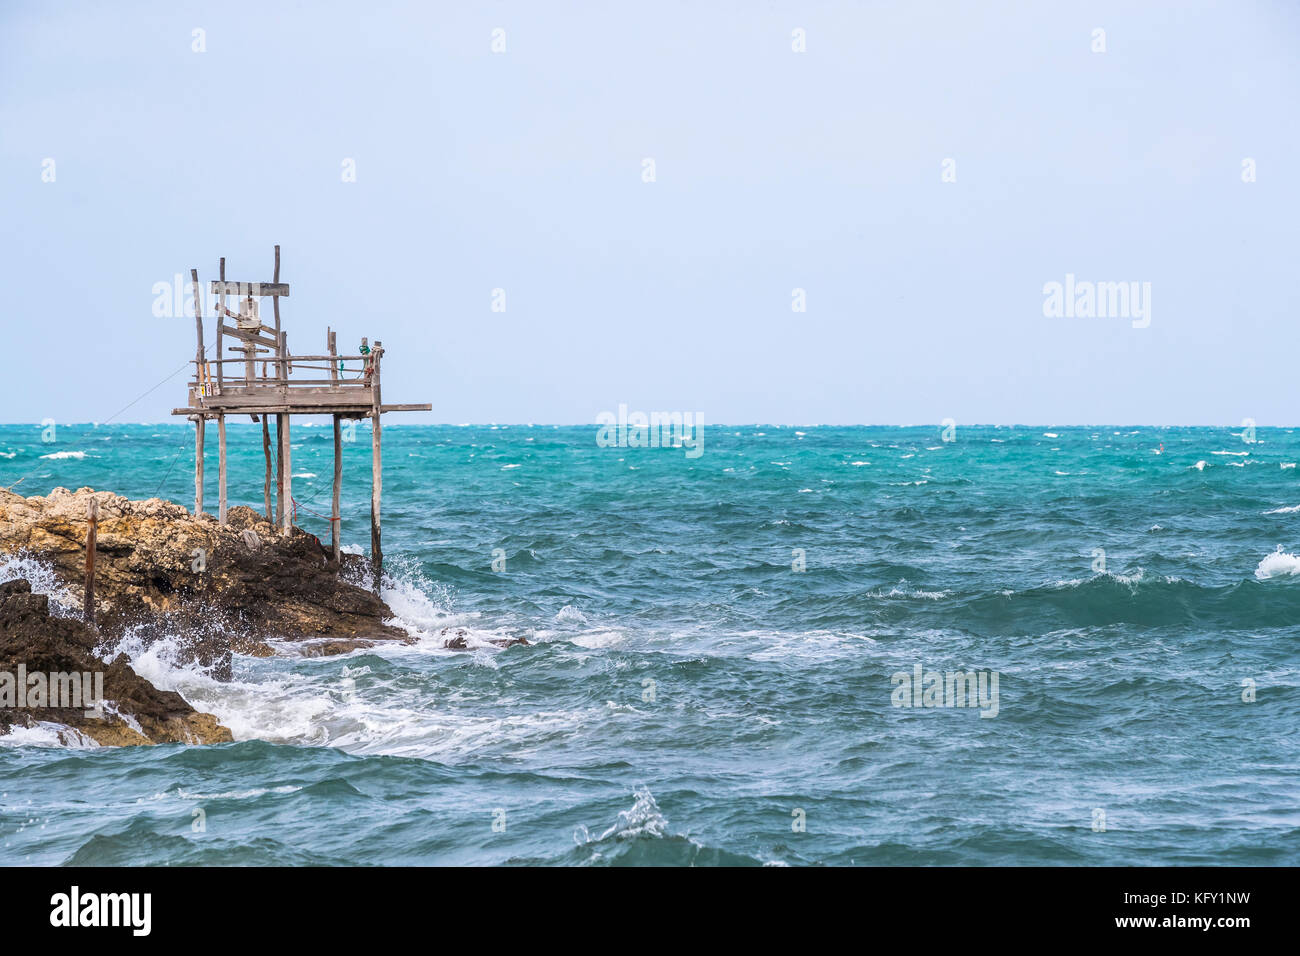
162 573
32 641
157 562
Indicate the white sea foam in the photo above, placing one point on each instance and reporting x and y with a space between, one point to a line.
46 733
65 454
183 794
643 819
1278 564
598 639
40 575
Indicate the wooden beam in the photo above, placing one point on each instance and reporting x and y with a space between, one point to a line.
266 450
200 426
248 335
336 522
221 310
279 468
275 302
347 410
241 290
198 325
376 469
286 478
251 401
221 470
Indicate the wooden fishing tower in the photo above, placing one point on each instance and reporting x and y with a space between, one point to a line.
257 380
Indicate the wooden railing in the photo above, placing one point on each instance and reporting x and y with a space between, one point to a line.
210 372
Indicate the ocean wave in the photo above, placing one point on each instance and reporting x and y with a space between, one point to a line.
642 820
1278 564
640 837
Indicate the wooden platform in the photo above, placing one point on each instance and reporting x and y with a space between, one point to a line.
255 374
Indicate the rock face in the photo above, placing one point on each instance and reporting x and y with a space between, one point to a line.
156 560
33 642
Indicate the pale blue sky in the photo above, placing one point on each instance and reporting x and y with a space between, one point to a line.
775 170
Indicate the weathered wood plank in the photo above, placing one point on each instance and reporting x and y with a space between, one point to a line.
221 470
221 308
247 335
242 289
336 519
198 322
252 400
279 467
286 478
275 301
266 451
376 469
347 411
200 426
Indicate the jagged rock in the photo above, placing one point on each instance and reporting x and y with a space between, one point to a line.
140 713
156 560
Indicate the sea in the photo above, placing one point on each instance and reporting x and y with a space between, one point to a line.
796 645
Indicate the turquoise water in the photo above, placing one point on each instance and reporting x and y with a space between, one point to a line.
689 697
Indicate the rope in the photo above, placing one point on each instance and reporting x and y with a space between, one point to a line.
179 448
296 506
110 418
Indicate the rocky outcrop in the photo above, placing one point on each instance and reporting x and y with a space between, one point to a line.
158 564
134 711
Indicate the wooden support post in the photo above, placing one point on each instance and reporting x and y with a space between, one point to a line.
266 450
221 311
335 517
92 533
279 469
332 343
198 325
376 466
275 300
286 476
221 470
200 426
